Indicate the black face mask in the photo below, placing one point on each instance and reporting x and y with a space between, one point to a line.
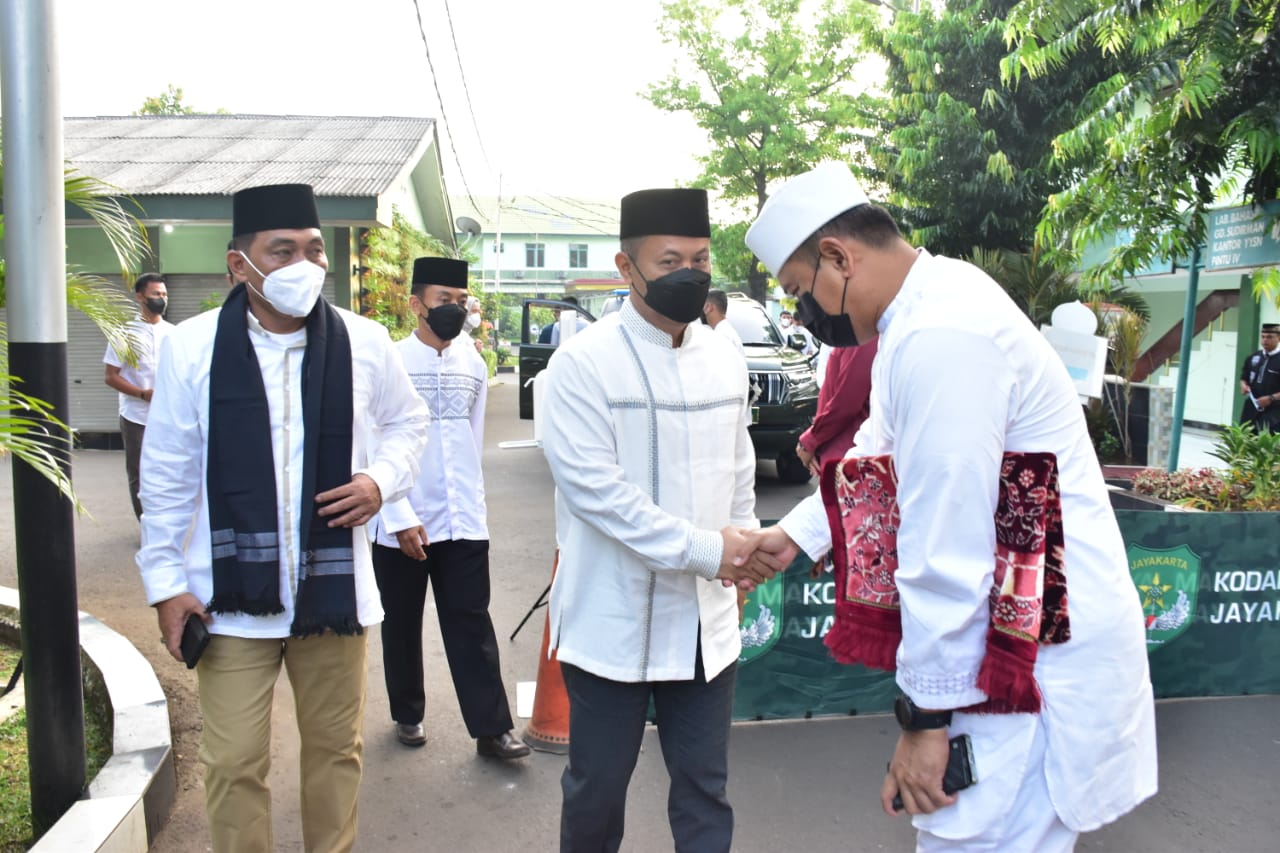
679 295
445 321
834 330
157 304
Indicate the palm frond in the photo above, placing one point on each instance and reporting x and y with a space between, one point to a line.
101 201
30 432
108 308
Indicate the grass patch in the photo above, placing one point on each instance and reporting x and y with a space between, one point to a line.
8 660
15 784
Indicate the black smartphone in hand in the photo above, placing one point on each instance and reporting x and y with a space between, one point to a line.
959 774
195 636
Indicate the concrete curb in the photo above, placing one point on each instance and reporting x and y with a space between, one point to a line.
130 798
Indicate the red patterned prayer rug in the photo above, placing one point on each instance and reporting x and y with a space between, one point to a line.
1028 599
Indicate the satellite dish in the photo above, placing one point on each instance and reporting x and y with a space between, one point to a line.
468 226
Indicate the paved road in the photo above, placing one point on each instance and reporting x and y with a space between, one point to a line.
807 785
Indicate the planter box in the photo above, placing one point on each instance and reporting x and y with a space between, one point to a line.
1127 499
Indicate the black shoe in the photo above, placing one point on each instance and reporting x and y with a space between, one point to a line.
504 746
411 734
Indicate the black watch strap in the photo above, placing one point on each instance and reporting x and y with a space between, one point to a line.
912 719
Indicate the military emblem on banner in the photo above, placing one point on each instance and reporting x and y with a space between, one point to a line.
762 619
1167 580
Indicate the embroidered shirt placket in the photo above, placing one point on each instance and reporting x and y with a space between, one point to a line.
438 412
287 472
653 492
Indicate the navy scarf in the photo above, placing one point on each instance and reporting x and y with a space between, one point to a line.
241 473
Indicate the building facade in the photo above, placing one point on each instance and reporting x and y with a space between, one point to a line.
177 174
1227 316
536 245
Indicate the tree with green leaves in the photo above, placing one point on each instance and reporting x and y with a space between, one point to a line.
387 259
167 103
967 160
774 90
1186 123
731 261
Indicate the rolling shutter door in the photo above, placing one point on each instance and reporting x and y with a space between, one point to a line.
93 406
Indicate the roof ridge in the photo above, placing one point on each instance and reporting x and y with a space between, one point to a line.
233 116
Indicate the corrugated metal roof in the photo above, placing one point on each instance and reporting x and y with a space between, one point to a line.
220 154
541 214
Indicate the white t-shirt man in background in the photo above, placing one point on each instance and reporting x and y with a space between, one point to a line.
135 382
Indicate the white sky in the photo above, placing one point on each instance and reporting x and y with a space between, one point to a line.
554 84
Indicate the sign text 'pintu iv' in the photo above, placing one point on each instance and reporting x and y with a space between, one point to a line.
1243 237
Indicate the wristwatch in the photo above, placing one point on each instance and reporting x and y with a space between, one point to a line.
912 719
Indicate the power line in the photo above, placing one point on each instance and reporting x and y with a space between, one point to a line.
435 81
601 223
591 211
466 89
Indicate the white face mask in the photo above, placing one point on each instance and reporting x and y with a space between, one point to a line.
471 323
291 290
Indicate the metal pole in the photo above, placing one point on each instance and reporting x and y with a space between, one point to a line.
35 256
1184 359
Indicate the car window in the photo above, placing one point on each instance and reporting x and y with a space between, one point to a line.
752 324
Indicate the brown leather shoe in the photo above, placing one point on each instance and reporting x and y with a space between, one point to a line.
411 734
504 746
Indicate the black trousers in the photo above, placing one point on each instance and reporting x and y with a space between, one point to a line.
131 436
606 724
458 571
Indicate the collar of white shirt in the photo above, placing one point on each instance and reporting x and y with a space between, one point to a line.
643 329
908 283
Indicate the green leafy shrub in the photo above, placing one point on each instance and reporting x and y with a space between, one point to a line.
1251 480
1253 462
1186 485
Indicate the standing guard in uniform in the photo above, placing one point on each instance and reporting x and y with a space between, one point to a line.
1260 382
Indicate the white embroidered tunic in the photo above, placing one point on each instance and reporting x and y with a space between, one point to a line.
961 377
448 497
649 449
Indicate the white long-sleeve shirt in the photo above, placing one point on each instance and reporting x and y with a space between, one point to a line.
649 449
724 327
448 497
175 455
961 377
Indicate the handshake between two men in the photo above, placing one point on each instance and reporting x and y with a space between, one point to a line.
751 557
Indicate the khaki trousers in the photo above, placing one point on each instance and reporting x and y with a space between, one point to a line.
237 680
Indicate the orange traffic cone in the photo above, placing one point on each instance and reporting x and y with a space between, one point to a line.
548 730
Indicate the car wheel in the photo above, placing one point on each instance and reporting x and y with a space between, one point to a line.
791 469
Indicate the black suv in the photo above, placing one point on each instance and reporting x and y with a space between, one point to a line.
784 389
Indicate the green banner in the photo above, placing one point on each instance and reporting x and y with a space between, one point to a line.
1209 588
1213 612
785 670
